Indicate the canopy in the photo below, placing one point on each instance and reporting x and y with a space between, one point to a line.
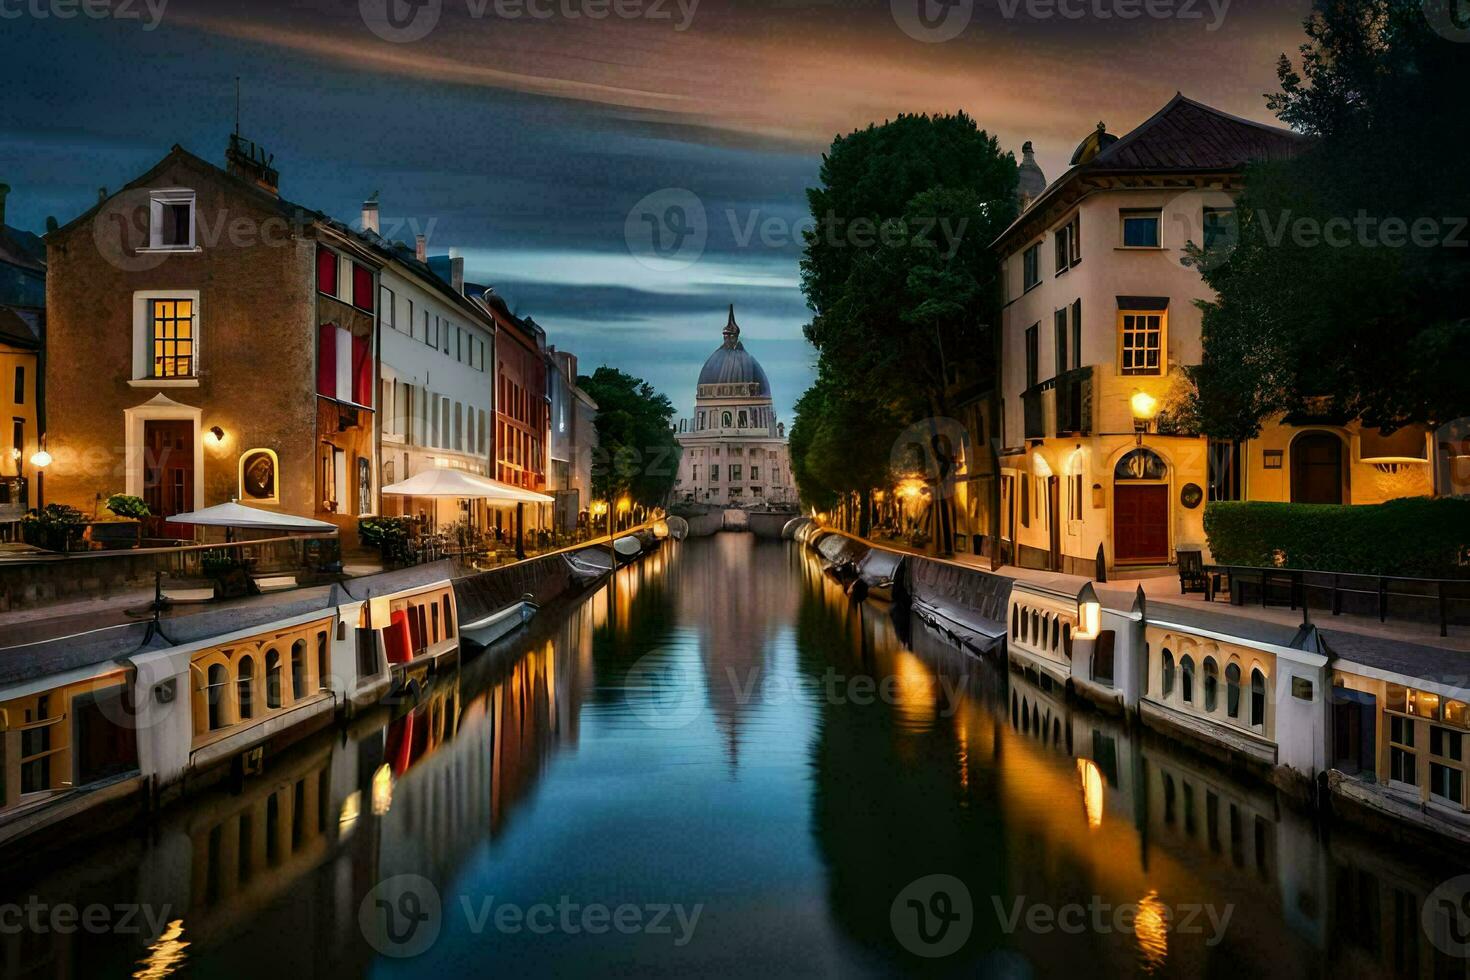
238 515
445 481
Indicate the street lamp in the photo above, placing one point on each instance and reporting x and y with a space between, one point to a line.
1145 407
40 460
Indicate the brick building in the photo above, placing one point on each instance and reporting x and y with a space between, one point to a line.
209 340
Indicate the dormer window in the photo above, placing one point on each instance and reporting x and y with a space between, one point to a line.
171 219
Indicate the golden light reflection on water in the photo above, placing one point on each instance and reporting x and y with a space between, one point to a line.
1092 791
1151 928
382 790
166 955
913 688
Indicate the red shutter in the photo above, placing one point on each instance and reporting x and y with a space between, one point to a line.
362 371
326 360
362 287
326 270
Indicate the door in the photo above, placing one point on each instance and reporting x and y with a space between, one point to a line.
1316 469
1141 522
168 473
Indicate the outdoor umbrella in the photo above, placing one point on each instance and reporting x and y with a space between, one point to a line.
234 514
445 481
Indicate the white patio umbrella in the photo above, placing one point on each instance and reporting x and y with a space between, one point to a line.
234 514
445 481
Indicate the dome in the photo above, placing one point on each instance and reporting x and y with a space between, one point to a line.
731 363
1092 144
1030 181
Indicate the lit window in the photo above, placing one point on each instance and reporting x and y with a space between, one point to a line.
1141 342
171 338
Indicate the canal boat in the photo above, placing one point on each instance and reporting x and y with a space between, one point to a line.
589 564
481 633
877 575
627 547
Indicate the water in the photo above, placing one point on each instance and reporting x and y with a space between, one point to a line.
718 766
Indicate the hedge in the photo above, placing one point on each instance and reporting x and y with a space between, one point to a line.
1420 537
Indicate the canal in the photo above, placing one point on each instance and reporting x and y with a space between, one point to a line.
717 765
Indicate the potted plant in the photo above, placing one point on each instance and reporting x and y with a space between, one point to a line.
127 507
57 527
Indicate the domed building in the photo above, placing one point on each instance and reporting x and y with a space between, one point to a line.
734 449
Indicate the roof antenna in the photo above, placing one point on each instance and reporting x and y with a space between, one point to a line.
237 106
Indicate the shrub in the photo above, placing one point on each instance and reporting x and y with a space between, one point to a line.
390 535
1420 537
55 528
126 505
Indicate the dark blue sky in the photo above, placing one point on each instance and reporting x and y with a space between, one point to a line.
536 145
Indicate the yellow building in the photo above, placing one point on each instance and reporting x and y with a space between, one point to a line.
1100 320
22 327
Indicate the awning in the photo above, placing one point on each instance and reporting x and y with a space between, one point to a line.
445 481
238 515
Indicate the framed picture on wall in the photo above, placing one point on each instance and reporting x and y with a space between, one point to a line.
259 477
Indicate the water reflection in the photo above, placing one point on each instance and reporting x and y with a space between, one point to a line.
816 768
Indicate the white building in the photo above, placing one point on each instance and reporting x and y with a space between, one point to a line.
436 398
734 449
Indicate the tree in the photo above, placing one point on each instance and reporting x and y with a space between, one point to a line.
831 446
898 272
637 455
1345 292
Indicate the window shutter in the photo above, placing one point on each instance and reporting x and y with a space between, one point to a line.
326 360
326 271
362 371
362 287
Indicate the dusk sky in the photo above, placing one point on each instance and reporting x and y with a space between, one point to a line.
528 142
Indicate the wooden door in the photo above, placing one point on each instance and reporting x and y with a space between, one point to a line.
1316 469
1054 520
168 472
1141 522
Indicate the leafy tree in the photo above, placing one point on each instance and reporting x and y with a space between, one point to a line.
637 455
1346 290
897 270
823 460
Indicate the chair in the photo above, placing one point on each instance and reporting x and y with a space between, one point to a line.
1191 570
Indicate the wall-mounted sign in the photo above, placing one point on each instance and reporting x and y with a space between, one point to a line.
1272 459
1191 495
259 476
1141 464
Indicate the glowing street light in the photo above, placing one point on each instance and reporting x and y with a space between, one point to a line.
1145 407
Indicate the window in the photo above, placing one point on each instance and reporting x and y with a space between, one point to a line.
1403 763
725 419
1212 683
344 365
1258 698
714 472
1031 266
1059 329
1224 470
171 338
1068 251
1077 333
1140 342
362 287
1219 228
326 271
1033 355
245 687
735 472
1232 690
1168 671
214 695
298 670
432 338
272 679
171 219
18 434
387 308
1186 676
1074 497
1140 228
1446 765
755 472
20 384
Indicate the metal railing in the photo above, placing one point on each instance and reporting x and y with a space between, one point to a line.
1432 595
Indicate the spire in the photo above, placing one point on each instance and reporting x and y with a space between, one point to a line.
732 331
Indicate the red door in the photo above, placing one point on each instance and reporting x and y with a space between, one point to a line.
168 473
1141 522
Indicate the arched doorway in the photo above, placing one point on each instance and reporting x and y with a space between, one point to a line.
1141 508
1316 468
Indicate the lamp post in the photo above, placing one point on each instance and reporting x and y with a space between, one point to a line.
40 460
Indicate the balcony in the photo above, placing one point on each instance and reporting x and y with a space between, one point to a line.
1059 406
1074 402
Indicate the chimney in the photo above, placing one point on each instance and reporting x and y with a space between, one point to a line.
101 194
252 164
421 248
370 214
51 223
456 273
4 190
